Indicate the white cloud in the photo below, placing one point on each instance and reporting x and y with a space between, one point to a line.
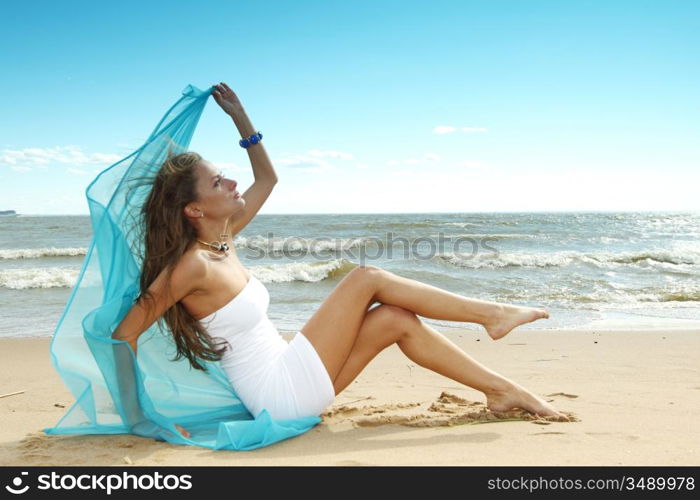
444 129
361 165
69 155
330 154
413 161
448 129
20 169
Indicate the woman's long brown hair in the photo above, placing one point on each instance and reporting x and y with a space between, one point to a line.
168 234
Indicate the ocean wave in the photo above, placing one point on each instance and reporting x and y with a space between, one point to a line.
491 236
37 253
400 225
662 257
459 224
38 277
647 295
303 271
365 225
65 277
679 296
675 260
606 294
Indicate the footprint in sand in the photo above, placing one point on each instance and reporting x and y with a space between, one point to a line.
351 411
33 441
446 410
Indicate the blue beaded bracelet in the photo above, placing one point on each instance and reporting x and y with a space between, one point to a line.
249 141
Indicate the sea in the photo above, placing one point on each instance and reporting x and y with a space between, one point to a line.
611 271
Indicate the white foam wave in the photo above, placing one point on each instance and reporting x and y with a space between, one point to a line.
56 277
602 294
677 293
496 236
302 271
37 253
674 260
41 277
459 224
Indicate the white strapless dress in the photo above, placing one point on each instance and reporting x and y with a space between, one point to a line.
289 380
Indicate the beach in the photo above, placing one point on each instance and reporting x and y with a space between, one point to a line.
633 398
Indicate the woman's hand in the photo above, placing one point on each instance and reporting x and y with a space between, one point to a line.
182 431
227 99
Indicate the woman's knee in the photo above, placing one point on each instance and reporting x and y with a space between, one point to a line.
396 320
368 275
365 277
366 271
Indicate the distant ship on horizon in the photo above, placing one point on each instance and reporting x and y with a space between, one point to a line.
7 212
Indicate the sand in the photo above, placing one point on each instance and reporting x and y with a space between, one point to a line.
634 399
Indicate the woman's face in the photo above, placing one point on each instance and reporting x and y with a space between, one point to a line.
217 194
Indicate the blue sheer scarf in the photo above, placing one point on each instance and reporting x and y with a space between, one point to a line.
115 391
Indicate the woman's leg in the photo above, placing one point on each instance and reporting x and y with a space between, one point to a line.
334 328
428 348
432 302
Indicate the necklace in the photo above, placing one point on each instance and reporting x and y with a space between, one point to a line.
218 245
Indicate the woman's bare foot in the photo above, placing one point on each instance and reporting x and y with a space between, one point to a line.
512 316
515 396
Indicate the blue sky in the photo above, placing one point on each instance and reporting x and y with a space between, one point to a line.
366 106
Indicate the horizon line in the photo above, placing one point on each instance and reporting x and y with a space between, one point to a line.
685 211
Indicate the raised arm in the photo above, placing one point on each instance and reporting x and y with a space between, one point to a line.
263 171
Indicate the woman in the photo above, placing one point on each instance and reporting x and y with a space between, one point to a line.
216 310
